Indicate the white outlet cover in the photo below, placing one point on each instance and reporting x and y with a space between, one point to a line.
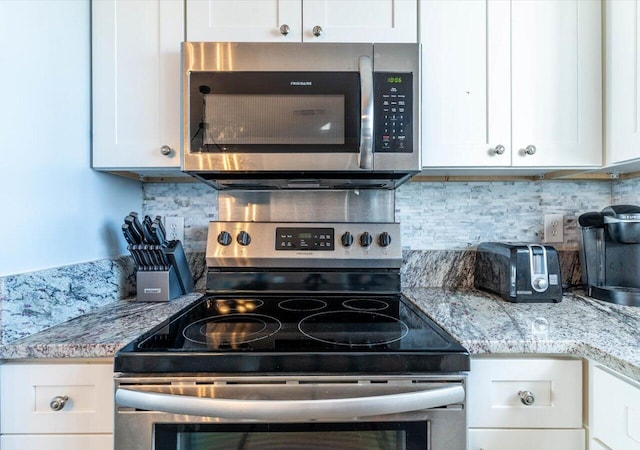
174 227
553 228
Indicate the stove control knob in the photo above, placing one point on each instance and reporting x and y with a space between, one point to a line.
365 239
384 240
347 239
224 238
243 238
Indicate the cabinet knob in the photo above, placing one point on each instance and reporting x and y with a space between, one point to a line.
317 31
58 402
284 29
166 150
498 150
526 397
530 150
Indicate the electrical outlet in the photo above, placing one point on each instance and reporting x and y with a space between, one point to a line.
174 226
553 228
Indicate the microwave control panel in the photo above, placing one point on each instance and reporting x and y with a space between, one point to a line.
393 106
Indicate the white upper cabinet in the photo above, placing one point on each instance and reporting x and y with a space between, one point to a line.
466 104
136 83
244 21
511 84
622 23
302 20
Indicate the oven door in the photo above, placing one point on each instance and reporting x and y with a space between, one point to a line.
303 413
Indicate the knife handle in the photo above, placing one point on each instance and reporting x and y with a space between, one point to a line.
159 220
158 234
137 235
127 234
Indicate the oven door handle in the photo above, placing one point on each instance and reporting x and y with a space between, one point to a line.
366 114
279 410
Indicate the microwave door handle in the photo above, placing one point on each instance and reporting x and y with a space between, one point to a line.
365 157
270 410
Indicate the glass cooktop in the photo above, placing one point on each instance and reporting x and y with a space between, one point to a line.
309 334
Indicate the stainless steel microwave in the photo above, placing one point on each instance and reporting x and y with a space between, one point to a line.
297 115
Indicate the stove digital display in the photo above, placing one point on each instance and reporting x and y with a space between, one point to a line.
316 239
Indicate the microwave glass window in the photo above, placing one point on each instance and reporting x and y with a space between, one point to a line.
249 119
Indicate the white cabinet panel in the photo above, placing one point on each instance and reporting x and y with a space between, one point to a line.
501 75
57 442
480 439
622 25
243 21
136 83
556 81
466 84
615 411
28 389
338 21
495 384
360 20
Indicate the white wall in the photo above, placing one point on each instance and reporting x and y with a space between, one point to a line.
55 210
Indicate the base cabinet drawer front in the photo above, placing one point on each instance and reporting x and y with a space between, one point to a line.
526 440
57 442
615 411
32 398
525 393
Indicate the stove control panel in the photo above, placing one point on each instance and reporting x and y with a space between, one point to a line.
300 245
313 239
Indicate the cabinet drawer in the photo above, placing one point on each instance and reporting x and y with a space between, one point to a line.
57 442
495 384
526 439
28 389
615 410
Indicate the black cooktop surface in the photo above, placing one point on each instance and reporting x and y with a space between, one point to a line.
308 334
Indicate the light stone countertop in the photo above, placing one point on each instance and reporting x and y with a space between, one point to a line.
578 325
483 323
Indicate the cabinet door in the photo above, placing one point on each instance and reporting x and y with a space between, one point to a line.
556 82
496 387
492 439
360 20
57 442
615 410
244 21
27 391
465 83
136 83
622 83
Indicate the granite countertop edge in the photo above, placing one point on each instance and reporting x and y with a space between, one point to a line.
483 323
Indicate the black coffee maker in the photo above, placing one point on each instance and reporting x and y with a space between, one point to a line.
610 254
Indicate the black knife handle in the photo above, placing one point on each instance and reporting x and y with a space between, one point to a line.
159 220
158 234
127 234
137 235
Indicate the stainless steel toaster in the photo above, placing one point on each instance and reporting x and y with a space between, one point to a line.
519 272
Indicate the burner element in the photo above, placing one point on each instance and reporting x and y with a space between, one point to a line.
365 304
232 331
353 328
302 304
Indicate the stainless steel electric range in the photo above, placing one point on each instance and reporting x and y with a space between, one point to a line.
302 340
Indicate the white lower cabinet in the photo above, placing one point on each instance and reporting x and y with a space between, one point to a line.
56 405
615 410
488 439
525 404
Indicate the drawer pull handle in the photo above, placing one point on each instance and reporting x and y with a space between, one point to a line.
526 397
58 402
